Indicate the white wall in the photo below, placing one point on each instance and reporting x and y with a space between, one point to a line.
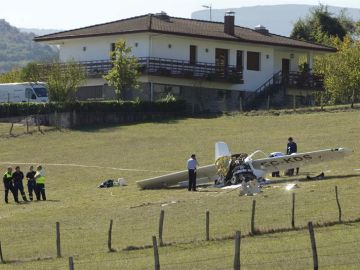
180 49
157 45
98 48
286 53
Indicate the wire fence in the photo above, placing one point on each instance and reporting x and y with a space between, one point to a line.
89 241
25 125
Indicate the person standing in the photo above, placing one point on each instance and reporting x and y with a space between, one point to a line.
8 185
276 154
191 166
40 183
291 148
18 177
30 176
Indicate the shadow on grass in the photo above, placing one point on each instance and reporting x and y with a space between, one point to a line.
51 201
18 261
331 177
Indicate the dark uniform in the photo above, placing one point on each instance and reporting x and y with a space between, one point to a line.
291 148
18 177
31 183
8 185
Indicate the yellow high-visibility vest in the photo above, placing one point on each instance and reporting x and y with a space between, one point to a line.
40 180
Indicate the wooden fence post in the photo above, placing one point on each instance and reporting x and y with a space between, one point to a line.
1 255
161 227
27 124
313 246
38 123
207 225
293 211
156 253
58 243
321 101
253 218
268 102
109 237
237 251
11 129
294 102
71 263
338 203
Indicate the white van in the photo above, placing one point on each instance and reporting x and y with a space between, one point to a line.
23 92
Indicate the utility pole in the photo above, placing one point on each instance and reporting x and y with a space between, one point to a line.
210 9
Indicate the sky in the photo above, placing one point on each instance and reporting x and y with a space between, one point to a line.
70 14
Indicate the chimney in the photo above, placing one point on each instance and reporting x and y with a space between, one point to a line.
229 23
261 29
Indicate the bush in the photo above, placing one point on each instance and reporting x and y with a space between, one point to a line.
24 109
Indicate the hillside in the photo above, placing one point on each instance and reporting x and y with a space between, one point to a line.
279 19
39 32
17 48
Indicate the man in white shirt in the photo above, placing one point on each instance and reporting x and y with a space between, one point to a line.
191 166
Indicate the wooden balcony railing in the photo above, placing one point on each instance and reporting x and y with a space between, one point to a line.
304 80
172 68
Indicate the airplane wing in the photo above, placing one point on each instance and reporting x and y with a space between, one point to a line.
274 164
175 178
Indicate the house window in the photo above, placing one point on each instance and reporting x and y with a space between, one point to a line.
193 57
112 49
253 61
239 60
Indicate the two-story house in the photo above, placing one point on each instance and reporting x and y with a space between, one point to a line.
214 66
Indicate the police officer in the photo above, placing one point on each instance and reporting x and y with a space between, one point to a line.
191 166
40 183
8 185
30 176
18 177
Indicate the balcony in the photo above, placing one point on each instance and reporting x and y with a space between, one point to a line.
304 80
172 68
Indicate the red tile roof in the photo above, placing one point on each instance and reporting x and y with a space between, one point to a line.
182 27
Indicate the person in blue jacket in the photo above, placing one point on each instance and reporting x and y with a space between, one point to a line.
291 148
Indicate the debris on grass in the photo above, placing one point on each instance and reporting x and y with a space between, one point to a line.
291 187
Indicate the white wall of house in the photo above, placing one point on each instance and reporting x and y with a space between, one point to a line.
292 55
98 48
178 47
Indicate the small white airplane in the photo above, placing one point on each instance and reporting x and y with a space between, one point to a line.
233 169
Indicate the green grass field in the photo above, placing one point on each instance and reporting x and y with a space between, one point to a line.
134 152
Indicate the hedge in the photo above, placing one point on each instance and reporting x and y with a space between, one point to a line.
24 109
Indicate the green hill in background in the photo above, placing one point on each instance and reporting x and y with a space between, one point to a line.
18 48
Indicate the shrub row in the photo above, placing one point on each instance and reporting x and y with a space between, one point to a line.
24 109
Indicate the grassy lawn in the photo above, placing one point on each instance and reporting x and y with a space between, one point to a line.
27 231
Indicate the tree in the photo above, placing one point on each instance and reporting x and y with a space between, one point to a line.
125 71
321 26
63 79
32 72
11 76
342 73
